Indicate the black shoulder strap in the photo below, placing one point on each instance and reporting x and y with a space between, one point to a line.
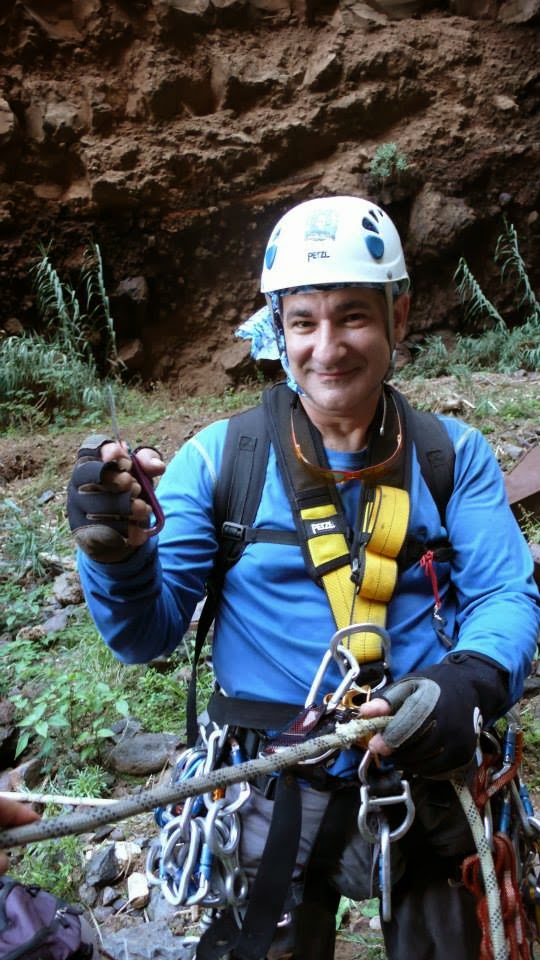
240 482
434 450
236 499
436 456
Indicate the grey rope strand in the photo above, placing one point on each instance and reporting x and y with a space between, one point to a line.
73 823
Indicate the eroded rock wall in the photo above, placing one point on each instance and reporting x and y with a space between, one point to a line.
175 132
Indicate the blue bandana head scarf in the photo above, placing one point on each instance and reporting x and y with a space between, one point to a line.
267 338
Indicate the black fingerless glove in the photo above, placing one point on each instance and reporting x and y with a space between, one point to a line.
98 517
440 711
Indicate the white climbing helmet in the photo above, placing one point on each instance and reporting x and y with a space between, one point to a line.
333 240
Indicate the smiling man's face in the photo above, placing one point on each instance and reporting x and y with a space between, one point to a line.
338 350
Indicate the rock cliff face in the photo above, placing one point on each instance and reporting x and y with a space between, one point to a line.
175 132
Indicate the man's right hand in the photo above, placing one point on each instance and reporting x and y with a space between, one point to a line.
14 814
106 513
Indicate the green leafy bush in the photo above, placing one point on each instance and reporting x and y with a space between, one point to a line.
56 865
32 537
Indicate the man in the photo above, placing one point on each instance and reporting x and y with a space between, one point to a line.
461 639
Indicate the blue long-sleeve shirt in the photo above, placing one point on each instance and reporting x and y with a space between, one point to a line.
274 624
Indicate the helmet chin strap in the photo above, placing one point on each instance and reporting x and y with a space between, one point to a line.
389 298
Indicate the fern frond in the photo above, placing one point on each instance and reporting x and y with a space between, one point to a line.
508 256
474 300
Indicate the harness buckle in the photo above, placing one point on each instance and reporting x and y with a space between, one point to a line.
233 531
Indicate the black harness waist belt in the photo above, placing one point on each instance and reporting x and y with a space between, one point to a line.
253 714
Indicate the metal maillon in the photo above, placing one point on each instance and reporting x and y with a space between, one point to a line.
195 858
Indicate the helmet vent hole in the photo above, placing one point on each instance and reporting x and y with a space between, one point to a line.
369 225
375 246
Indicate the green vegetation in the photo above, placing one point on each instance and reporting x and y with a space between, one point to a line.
500 347
370 944
62 710
56 865
32 539
54 375
388 162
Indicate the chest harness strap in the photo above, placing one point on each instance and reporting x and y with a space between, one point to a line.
360 586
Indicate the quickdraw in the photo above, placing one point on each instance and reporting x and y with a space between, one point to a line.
374 826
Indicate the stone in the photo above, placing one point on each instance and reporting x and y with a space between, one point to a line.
437 221
57 622
27 775
103 868
108 896
323 70
126 850
236 360
148 941
13 327
401 9
132 354
133 288
138 890
518 11
8 122
355 13
143 754
67 589
62 122
113 188
506 104
475 9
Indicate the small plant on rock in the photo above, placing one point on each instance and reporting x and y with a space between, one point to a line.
388 162
500 347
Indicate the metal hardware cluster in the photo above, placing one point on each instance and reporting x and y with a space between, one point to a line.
195 858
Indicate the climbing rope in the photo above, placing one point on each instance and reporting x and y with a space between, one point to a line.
487 866
343 737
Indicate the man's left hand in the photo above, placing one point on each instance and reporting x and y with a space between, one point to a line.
437 714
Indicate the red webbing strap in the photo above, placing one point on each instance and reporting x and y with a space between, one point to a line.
487 783
426 563
515 923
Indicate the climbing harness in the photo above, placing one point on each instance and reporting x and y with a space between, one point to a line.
321 530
